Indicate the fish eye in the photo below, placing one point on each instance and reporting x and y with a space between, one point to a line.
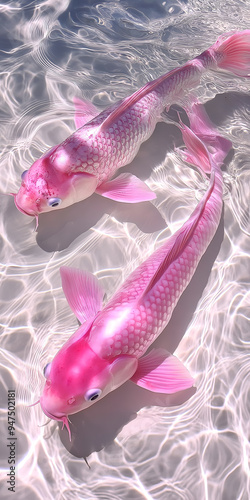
54 202
92 394
46 370
23 174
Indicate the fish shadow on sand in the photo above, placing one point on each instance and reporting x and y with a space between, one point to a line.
58 229
97 426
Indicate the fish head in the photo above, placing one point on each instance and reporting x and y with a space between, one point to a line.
46 188
77 377
74 380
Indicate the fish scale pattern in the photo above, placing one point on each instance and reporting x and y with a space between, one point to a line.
102 151
133 319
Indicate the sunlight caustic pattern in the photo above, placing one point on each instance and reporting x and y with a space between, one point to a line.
139 445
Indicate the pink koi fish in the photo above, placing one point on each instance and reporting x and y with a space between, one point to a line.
87 160
109 347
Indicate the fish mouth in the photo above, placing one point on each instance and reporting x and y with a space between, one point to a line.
63 418
31 214
48 414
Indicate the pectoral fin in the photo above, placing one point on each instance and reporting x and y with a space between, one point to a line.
84 111
126 188
201 125
82 291
160 371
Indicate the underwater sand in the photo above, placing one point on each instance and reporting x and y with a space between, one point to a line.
140 445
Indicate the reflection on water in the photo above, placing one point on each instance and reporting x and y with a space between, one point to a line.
139 444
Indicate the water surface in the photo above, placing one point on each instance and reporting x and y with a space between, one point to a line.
139 445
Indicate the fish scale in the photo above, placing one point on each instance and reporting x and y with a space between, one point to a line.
101 152
148 313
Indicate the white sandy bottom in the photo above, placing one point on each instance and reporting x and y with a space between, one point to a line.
139 445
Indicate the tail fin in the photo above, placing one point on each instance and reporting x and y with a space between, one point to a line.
233 54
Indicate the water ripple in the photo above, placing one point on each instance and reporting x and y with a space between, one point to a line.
139 444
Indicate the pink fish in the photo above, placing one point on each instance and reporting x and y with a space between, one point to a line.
109 347
87 160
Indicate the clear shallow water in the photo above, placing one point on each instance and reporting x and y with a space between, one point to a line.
139 445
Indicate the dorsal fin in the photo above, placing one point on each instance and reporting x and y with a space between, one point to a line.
136 96
82 291
180 241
